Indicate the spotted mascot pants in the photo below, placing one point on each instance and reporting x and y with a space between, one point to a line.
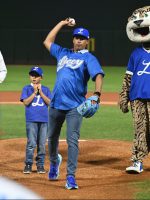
141 120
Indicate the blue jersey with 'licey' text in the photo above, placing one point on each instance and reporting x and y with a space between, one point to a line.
139 68
73 72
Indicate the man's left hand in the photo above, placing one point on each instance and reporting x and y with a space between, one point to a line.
89 107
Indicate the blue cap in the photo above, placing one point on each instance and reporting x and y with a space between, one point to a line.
81 31
36 69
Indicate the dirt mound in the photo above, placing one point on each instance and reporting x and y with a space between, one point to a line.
100 175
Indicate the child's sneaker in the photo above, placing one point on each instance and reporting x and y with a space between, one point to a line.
27 169
71 183
136 168
40 170
53 173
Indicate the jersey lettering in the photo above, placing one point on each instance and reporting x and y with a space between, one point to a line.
71 63
37 102
139 73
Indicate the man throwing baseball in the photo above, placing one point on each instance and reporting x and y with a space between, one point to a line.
3 69
74 68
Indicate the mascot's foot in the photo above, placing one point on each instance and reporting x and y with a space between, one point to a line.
136 168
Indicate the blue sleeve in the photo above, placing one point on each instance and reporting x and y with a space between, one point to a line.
94 67
131 63
130 66
55 50
24 94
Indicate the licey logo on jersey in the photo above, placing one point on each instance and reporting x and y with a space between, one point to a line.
70 63
144 71
37 103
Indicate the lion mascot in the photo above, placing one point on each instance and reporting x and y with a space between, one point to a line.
136 86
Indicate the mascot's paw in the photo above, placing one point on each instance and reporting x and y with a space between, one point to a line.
123 101
124 108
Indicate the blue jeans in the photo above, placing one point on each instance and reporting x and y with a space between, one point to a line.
36 137
73 121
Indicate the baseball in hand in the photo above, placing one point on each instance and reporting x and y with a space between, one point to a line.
72 22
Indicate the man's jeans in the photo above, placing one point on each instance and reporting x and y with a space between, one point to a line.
36 136
73 121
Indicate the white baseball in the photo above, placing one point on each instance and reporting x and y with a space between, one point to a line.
72 21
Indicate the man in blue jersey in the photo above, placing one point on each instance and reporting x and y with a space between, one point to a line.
74 68
36 98
136 88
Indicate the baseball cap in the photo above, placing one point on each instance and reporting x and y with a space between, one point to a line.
36 70
81 31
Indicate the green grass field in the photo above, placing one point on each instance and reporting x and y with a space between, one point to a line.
17 77
108 123
100 126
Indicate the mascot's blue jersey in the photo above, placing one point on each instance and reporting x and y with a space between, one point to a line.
139 68
73 72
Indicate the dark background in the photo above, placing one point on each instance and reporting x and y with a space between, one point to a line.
25 24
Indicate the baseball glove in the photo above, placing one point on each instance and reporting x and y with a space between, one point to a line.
89 107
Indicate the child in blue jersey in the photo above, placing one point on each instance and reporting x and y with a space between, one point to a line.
36 99
74 69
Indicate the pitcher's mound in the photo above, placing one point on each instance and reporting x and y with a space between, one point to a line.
100 174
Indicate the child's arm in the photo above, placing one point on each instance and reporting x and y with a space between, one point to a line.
28 100
44 97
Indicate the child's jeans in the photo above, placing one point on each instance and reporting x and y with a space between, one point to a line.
36 137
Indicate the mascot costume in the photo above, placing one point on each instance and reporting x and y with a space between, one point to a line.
136 86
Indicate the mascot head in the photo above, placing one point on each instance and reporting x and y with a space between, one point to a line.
138 26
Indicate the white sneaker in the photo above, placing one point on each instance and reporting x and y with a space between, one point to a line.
136 168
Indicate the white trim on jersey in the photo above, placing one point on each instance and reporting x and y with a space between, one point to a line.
147 50
129 72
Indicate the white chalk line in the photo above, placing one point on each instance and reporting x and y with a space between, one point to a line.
78 140
11 103
19 103
61 140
